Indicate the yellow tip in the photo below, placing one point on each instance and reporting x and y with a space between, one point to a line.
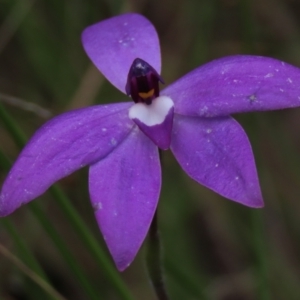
147 95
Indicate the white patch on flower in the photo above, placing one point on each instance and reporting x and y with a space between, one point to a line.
113 141
237 178
203 111
104 129
208 130
281 90
289 80
252 98
97 206
27 192
269 75
139 65
126 41
216 165
153 114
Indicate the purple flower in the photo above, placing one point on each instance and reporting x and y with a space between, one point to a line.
120 141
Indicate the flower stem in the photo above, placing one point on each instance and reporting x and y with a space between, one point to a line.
153 260
261 255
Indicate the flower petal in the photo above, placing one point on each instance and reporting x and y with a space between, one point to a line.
216 153
113 44
155 120
236 84
124 188
63 145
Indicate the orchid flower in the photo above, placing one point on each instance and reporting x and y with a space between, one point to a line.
120 142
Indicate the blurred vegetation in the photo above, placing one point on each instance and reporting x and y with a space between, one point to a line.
212 248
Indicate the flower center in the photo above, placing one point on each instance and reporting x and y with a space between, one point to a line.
142 82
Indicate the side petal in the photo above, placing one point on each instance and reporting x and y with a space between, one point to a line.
236 84
124 188
63 145
216 153
113 44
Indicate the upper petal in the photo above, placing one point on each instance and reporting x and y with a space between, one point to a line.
63 145
113 44
236 84
216 153
124 189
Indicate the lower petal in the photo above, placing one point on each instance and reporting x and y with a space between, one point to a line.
216 153
124 189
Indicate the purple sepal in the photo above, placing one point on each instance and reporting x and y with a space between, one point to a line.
236 84
124 189
113 44
60 147
216 153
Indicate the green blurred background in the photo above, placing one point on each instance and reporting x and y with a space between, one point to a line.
212 248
